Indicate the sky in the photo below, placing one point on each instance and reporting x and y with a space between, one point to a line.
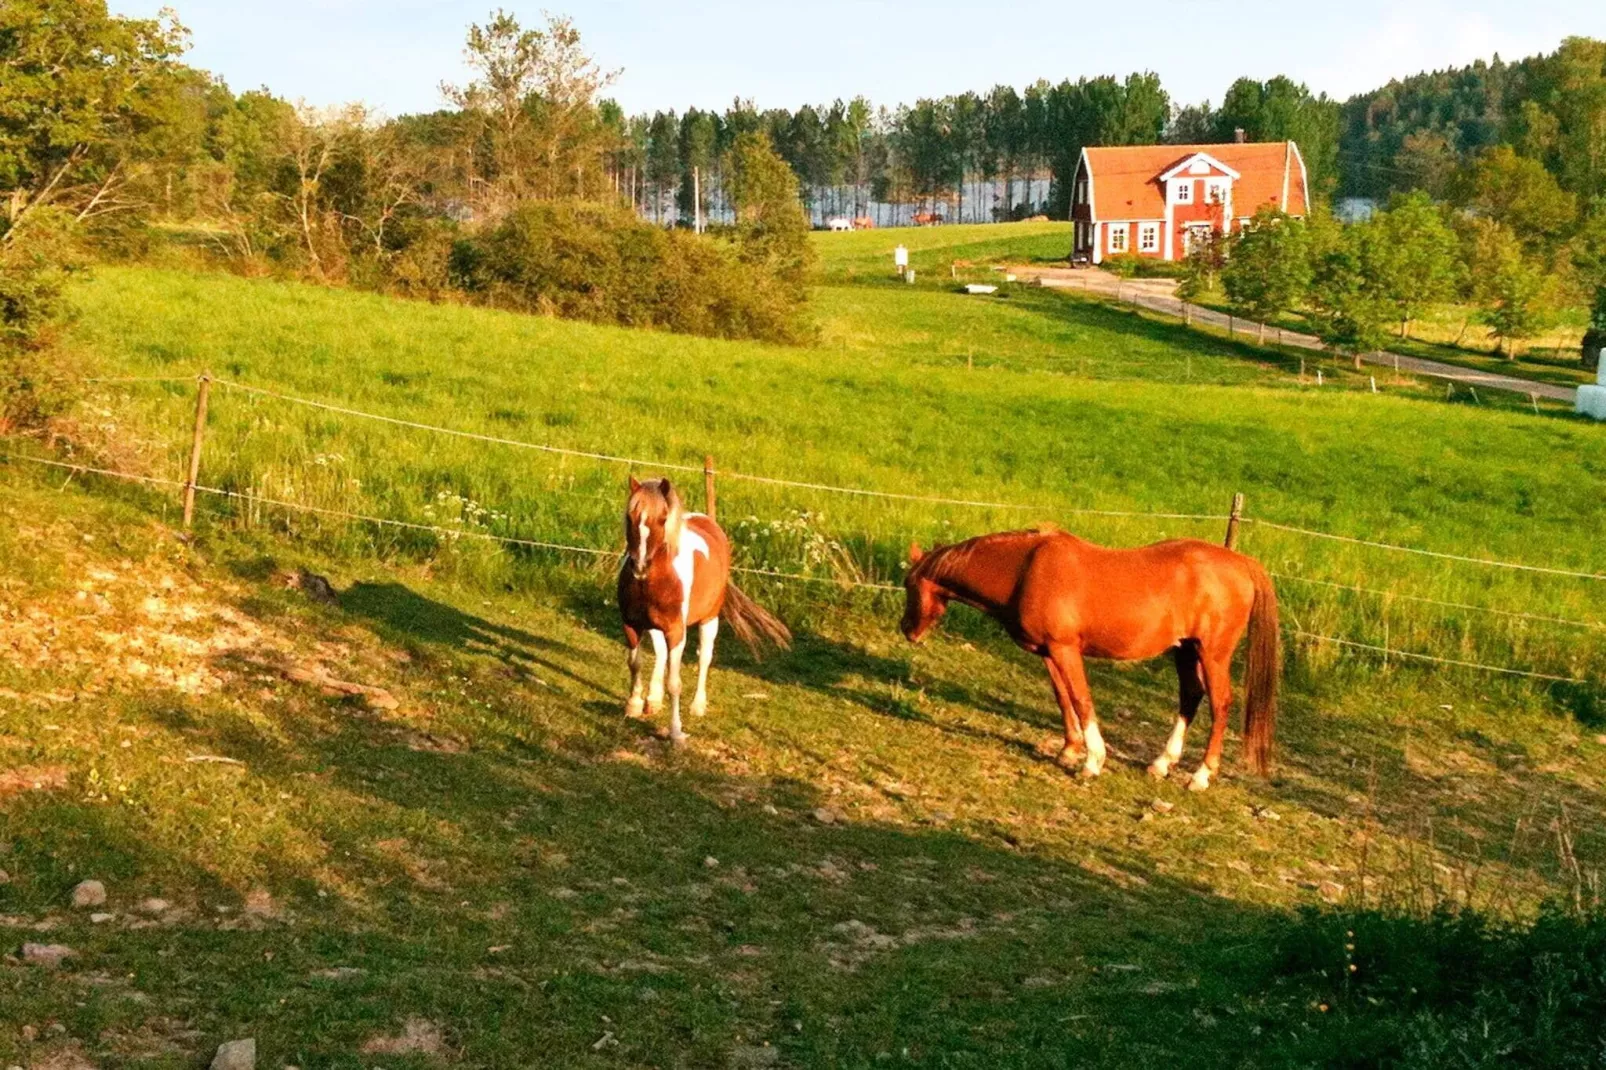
393 54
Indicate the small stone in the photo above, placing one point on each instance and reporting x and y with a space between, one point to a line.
47 955
711 862
154 905
101 918
236 1055
1160 806
89 894
827 816
5 878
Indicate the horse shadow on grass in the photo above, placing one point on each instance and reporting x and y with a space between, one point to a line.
402 615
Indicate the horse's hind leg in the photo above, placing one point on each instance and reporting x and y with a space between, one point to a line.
1190 690
676 736
635 705
1217 667
706 634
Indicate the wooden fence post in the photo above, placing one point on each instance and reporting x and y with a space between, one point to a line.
1233 518
203 389
710 501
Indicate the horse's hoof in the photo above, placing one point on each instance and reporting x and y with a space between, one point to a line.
1159 770
699 710
654 709
634 709
1070 758
1088 772
1199 781
678 741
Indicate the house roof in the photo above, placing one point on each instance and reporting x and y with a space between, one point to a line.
1126 179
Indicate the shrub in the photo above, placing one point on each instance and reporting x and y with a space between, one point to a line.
35 259
598 262
1133 266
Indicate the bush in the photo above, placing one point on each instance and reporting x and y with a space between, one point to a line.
35 259
598 262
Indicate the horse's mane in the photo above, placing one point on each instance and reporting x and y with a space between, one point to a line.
942 562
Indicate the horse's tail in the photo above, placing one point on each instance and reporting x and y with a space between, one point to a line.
1265 669
752 623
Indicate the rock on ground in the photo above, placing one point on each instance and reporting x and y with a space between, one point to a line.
48 955
236 1055
89 894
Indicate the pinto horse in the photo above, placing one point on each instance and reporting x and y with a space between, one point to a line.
676 574
1063 599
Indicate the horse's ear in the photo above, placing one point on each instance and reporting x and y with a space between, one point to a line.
915 553
635 484
663 484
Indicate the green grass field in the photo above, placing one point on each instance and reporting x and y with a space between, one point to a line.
487 865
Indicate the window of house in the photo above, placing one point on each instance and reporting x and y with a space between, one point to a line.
1215 192
1117 237
1149 238
1185 192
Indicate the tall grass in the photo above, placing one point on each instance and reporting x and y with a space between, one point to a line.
1058 404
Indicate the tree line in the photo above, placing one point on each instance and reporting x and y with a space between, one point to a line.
978 157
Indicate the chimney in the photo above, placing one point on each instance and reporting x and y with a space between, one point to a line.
1238 135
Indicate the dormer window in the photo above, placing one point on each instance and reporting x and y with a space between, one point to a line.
1184 191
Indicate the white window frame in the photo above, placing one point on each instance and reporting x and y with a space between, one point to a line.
1184 191
1215 191
1148 237
1119 232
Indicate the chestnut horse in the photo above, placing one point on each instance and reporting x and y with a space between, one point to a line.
1063 599
676 574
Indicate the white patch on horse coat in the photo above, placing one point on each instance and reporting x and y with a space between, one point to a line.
1095 749
1173 749
691 544
660 663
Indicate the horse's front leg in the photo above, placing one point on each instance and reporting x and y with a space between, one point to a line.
677 647
1069 662
706 634
660 664
635 704
1072 752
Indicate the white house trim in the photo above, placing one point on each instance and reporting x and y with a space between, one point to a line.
1207 158
1086 168
1288 152
1304 179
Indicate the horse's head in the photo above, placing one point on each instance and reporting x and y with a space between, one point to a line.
653 518
924 600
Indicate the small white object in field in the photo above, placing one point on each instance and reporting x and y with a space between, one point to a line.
89 894
101 919
827 816
236 1055
980 288
153 906
900 258
711 862
1592 399
1009 278
839 223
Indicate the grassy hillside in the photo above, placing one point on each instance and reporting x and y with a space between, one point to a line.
867 855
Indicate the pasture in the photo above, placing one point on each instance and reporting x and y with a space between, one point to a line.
867 855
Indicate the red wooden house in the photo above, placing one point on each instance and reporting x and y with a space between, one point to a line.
1152 200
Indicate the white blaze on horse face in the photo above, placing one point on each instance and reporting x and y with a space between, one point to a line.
691 544
641 548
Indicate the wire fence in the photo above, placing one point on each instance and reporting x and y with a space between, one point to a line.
863 492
